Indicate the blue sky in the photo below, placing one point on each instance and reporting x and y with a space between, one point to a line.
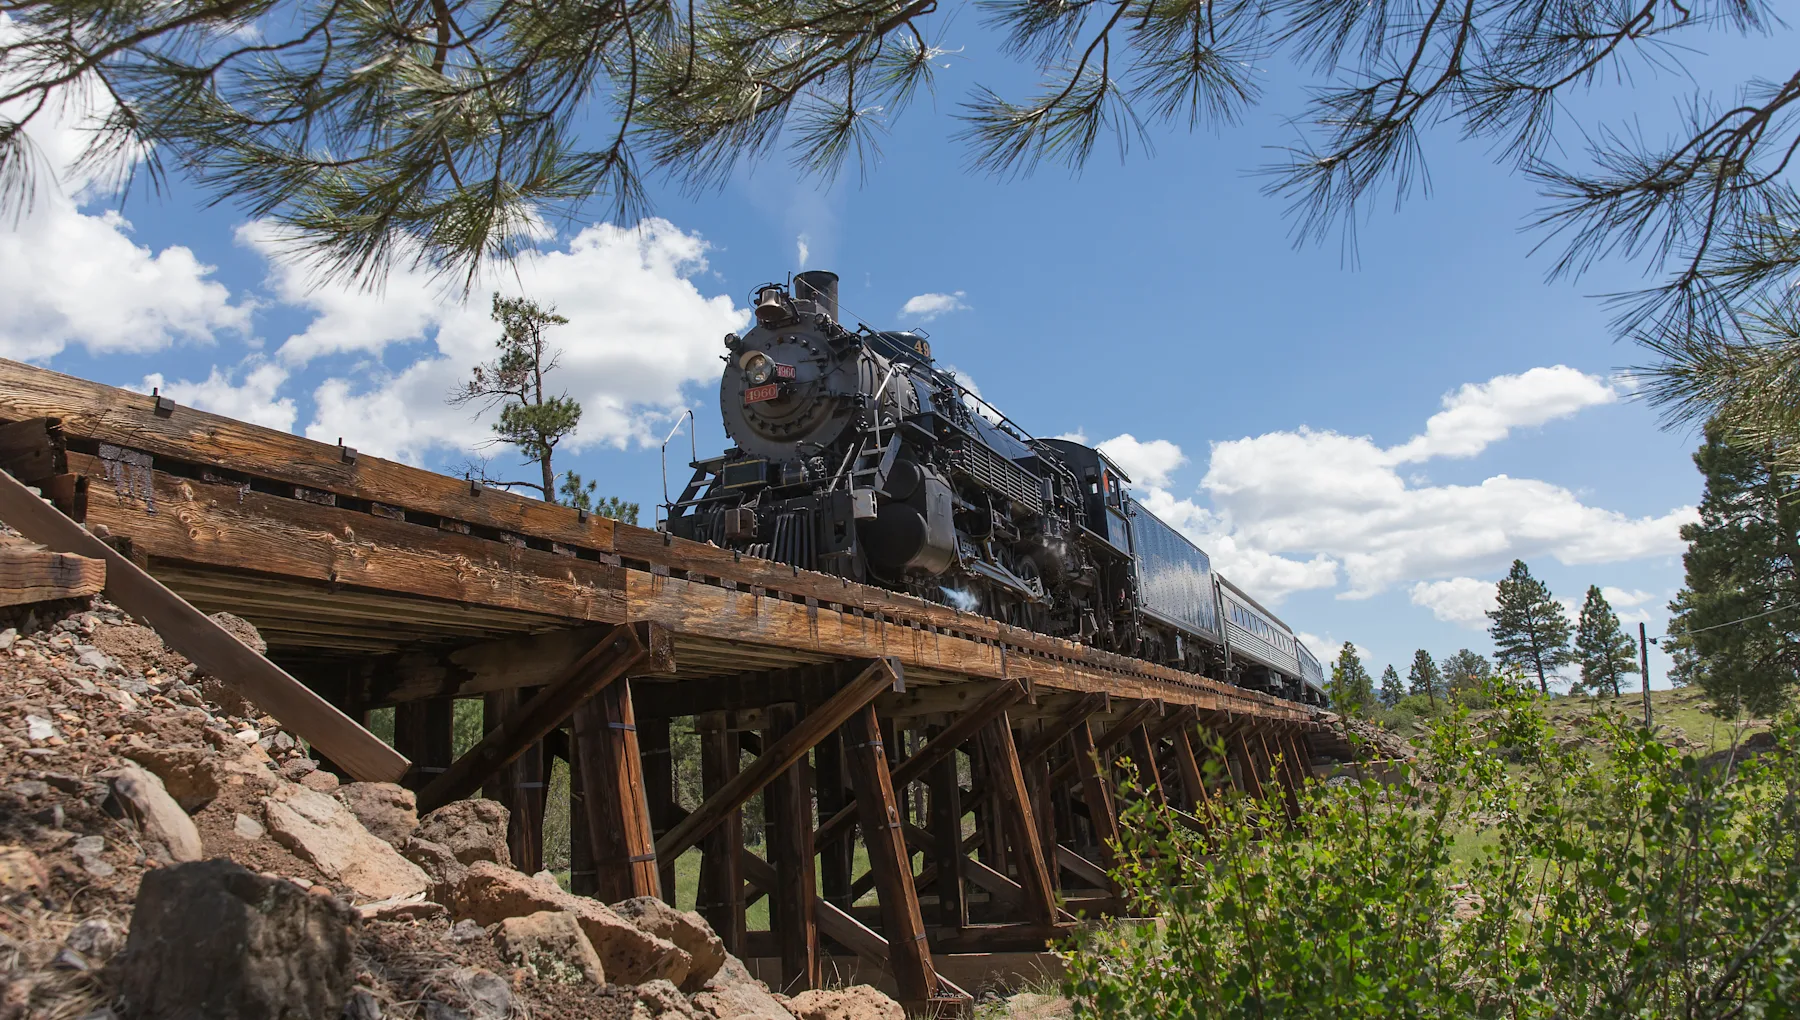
1276 402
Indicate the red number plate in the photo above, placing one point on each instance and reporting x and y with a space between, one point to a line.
758 394
784 371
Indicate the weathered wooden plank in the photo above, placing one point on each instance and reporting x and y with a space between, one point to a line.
946 839
618 815
1096 788
793 900
629 649
530 660
877 676
520 785
1082 868
205 643
423 731
225 526
1013 800
659 788
39 575
1143 751
1193 780
889 860
107 414
720 898
837 858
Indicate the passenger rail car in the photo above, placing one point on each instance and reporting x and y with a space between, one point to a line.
854 454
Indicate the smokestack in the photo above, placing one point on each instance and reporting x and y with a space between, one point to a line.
818 286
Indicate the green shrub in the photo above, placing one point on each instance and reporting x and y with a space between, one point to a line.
1633 884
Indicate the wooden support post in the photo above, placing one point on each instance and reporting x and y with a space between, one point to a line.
618 814
1193 780
1037 780
776 758
204 643
836 857
946 834
1096 790
1248 773
626 651
1013 803
659 791
879 815
520 785
584 879
793 911
1143 750
422 732
721 895
1290 789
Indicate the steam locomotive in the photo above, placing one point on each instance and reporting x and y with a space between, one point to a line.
857 456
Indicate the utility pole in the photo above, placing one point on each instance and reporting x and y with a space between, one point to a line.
1644 670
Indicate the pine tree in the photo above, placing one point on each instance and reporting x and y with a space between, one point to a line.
1606 653
531 419
1530 629
1425 677
1736 625
1464 674
1391 689
1352 689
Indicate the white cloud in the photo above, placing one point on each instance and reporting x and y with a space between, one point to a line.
1619 598
639 330
926 307
1482 413
1459 600
803 249
253 400
1296 510
1148 463
74 277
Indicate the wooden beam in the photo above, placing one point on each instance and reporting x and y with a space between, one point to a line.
878 675
659 788
1013 803
521 785
1083 869
583 879
618 814
793 901
1149 773
1193 781
204 643
836 858
1119 730
628 650
30 575
915 768
1290 790
423 731
480 667
889 860
720 898
1096 789
1248 770
946 839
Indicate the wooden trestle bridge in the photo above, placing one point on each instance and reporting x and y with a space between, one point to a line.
850 708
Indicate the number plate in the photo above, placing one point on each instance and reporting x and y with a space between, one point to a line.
784 371
758 394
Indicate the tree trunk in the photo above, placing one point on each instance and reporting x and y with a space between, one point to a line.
549 479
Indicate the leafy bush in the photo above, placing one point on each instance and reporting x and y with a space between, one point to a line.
1636 883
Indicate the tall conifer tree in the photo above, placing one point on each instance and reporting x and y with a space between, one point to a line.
1736 627
1425 677
1352 688
1391 689
1463 673
1603 649
1529 628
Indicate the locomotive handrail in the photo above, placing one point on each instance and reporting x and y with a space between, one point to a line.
694 448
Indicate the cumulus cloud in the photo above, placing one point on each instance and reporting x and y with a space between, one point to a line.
1620 598
73 276
639 329
1309 509
1148 463
926 307
254 399
803 250
1460 600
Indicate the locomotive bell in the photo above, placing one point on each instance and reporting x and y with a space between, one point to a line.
772 306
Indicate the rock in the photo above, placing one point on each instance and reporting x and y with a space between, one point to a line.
468 993
21 871
248 828
474 830
858 1002
297 769
95 939
551 945
747 1001
326 835
387 810
466 930
195 776
362 1006
320 780
402 908
440 865
212 940
687 929
490 894
159 818
662 999
87 850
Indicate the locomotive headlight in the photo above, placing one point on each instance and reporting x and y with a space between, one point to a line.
758 368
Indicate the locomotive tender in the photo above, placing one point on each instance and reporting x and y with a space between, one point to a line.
856 456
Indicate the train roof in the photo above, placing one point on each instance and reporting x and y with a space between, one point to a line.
1258 606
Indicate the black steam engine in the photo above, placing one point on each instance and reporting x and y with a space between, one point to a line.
856 456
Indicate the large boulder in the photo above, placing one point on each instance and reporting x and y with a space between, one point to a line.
663 1000
490 894
389 811
168 833
550 944
858 1002
196 776
440 866
474 830
326 835
685 928
735 994
212 940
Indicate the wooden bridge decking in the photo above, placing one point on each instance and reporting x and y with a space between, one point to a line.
382 584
